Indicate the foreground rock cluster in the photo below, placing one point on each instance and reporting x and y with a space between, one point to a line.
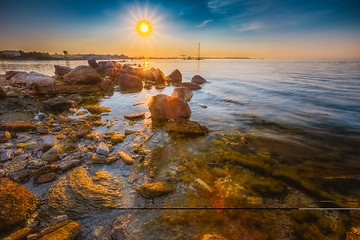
57 147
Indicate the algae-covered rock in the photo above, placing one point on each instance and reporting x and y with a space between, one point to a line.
20 234
126 158
95 109
66 230
117 138
186 127
18 126
213 237
77 194
16 203
151 190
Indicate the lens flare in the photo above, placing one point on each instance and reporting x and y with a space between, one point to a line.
143 27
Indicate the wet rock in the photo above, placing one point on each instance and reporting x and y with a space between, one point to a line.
95 109
69 162
98 159
65 89
35 164
48 142
18 126
213 237
5 136
163 107
106 85
10 74
135 116
198 79
151 190
66 230
82 75
44 170
58 219
175 77
60 71
92 63
32 78
183 93
6 154
23 138
62 103
16 203
105 67
52 154
186 127
77 194
47 177
126 158
21 157
129 83
128 132
43 129
190 85
103 149
19 176
117 138
82 127
3 93
200 185
20 234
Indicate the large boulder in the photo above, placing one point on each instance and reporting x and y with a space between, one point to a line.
32 78
79 194
62 103
102 67
163 107
183 93
175 77
198 79
190 85
129 83
16 203
82 75
60 71
186 127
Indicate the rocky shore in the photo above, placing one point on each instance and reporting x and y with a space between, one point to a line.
66 174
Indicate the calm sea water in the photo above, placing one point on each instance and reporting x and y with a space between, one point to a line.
320 95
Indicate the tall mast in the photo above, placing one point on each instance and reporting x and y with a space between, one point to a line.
199 51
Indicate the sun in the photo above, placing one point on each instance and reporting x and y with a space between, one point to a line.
143 27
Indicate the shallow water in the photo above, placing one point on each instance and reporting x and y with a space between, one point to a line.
301 120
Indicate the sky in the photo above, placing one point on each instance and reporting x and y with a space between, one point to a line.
292 29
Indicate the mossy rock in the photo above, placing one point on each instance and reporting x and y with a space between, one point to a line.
94 109
117 138
151 190
17 203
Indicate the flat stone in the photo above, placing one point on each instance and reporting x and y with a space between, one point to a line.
47 177
69 162
95 109
20 176
21 157
62 103
103 149
65 230
135 116
126 158
18 126
23 138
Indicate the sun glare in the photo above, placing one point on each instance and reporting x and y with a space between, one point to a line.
143 27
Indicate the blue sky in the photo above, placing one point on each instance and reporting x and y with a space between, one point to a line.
257 28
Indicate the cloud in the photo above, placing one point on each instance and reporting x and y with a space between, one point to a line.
204 23
250 27
220 6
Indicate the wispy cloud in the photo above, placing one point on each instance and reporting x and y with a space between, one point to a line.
204 23
250 27
220 6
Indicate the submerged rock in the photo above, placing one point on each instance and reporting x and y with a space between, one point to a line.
129 83
198 79
175 77
183 93
95 109
82 75
62 103
117 138
16 203
200 185
190 85
65 230
163 107
151 190
187 127
77 194
18 126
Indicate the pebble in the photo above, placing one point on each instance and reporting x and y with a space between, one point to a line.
103 149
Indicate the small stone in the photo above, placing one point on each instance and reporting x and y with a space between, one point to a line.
23 138
52 154
111 160
43 130
129 132
68 163
48 177
21 157
117 138
80 113
6 155
98 159
126 158
135 116
34 164
94 109
20 176
31 145
48 142
5 136
151 190
103 149
98 124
